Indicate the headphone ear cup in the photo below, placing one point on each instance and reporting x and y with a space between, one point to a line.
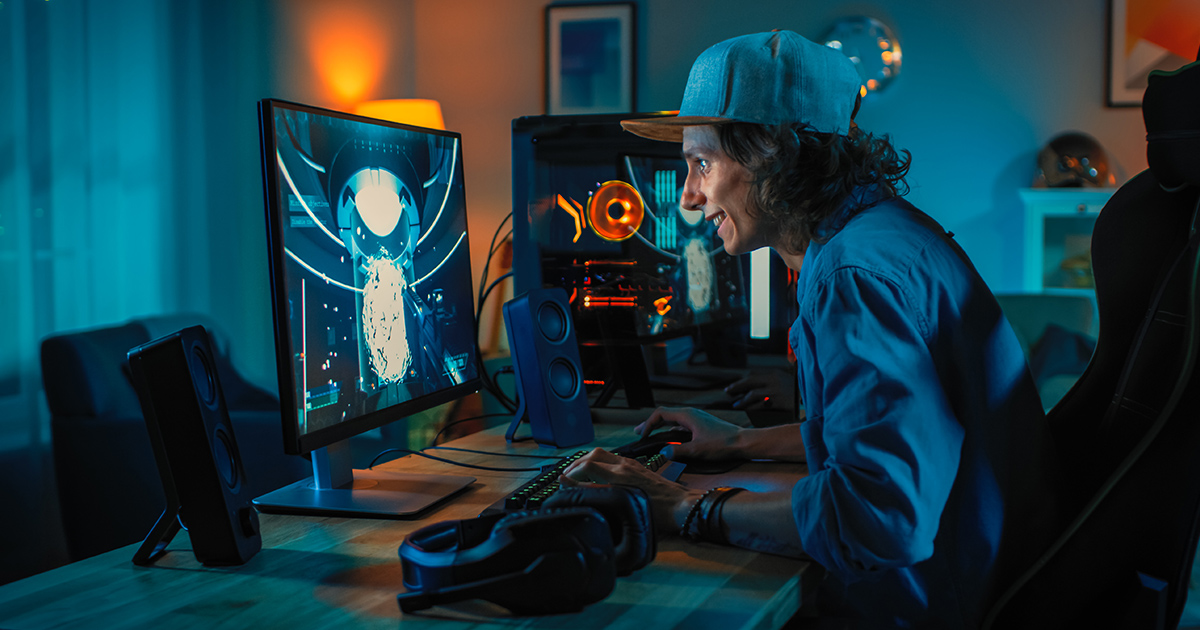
627 512
531 562
627 509
565 538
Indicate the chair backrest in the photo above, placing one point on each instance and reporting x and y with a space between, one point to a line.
1129 430
1031 313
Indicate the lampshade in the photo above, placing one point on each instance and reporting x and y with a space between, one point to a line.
422 112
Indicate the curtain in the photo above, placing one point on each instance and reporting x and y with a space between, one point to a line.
130 185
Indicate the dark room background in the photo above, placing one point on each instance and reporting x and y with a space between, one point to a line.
130 177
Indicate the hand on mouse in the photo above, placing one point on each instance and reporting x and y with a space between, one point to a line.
775 389
712 437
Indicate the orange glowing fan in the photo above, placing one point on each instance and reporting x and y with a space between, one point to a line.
616 211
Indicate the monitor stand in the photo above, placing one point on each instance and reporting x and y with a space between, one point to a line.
336 489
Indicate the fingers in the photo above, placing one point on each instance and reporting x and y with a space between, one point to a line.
659 417
595 467
753 397
744 385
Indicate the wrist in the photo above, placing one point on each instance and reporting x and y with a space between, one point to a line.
742 445
702 520
686 504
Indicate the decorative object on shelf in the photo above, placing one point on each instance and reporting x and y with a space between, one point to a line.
1058 225
1147 36
871 45
1077 270
421 112
590 58
1073 160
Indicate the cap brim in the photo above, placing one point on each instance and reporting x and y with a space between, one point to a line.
667 128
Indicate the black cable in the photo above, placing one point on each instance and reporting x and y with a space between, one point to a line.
492 386
433 443
468 450
448 461
493 286
486 379
492 248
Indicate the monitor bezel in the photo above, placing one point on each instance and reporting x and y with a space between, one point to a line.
294 442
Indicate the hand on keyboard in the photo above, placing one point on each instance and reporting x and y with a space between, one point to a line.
535 491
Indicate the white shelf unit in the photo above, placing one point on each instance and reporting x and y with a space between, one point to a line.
1058 226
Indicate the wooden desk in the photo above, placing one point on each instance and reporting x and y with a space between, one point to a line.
324 572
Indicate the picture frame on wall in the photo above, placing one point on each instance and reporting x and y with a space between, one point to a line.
1147 36
590 58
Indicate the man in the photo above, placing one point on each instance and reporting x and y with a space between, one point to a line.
930 464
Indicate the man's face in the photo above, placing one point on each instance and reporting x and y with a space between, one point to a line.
719 187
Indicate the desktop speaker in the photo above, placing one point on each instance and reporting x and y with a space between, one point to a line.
195 449
541 338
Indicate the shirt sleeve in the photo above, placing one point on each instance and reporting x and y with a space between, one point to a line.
886 440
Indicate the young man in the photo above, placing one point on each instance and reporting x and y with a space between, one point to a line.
930 464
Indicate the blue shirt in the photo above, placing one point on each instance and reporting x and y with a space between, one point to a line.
930 466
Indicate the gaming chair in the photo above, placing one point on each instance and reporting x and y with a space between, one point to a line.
1129 430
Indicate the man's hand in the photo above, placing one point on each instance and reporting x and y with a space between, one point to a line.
775 389
669 500
712 437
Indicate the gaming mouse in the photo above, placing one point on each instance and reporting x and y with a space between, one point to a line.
654 443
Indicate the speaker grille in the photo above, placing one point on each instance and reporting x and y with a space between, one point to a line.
224 454
552 321
206 387
563 377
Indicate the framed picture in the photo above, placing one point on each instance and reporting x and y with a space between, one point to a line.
1144 36
590 58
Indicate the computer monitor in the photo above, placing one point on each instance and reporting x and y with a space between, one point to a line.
371 291
596 211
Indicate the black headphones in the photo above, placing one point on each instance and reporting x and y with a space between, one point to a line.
556 559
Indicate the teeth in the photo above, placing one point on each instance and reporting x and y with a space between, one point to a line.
718 220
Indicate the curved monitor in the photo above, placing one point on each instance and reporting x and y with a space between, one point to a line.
370 271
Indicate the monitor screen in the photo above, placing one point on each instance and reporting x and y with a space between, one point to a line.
370 270
596 212
598 209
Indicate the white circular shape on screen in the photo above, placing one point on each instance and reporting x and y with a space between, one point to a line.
700 274
383 327
380 208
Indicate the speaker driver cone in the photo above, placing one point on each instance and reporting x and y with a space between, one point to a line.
552 321
564 379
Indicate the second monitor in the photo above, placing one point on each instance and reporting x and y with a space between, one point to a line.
596 212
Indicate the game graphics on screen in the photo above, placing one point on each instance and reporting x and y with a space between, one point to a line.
626 244
371 234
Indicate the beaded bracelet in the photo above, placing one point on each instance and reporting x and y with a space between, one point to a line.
710 520
691 515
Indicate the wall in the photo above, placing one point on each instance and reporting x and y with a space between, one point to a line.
983 87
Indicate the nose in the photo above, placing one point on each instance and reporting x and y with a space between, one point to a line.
692 199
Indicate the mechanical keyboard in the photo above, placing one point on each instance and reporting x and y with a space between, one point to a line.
532 493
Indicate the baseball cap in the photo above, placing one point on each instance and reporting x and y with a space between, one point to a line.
769 78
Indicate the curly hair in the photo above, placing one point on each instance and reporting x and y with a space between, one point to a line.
801 177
